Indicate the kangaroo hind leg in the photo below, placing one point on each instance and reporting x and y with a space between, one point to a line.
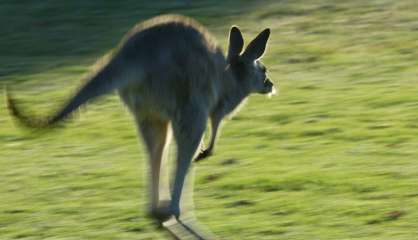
188 130
156 135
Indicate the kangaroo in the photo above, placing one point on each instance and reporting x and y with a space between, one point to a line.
173 77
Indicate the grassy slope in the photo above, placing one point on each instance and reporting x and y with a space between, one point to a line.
334 156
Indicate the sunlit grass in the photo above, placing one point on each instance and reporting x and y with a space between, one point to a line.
333 156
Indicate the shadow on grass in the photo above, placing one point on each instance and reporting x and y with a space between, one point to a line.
43 35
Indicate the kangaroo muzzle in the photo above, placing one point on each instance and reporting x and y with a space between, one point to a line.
269 88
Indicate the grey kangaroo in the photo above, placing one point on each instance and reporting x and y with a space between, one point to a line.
173 77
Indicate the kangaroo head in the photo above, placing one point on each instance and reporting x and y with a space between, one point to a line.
246 67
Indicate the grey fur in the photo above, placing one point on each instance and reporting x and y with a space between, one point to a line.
171 74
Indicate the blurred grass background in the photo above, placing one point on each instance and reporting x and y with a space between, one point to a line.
334 156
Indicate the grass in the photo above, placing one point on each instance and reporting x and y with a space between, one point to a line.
334 156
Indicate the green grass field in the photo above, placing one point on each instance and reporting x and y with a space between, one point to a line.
333 156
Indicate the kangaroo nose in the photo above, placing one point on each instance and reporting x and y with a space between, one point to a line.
269 87
268 83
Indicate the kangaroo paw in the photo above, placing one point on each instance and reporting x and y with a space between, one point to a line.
203 154
187 230
162 213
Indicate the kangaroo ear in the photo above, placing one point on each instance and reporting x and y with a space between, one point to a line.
257 46
236 42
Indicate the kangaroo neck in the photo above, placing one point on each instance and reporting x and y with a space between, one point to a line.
233 93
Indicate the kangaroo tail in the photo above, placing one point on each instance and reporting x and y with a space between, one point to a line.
112 76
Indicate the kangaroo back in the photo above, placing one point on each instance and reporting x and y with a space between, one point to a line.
162 62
